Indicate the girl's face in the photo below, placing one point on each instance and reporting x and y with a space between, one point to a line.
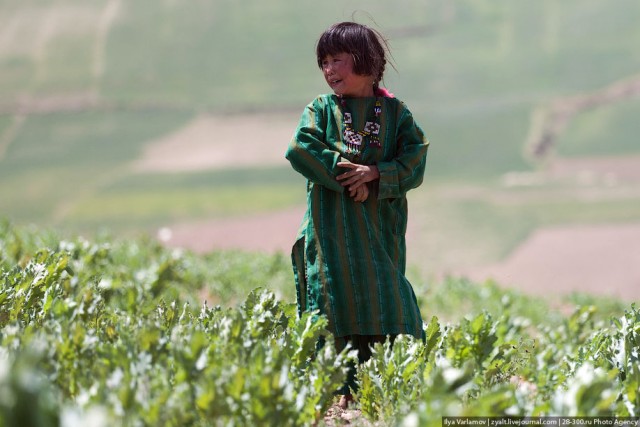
338 72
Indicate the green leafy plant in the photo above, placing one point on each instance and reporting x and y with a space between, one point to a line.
112 331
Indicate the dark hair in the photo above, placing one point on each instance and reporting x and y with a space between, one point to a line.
367 47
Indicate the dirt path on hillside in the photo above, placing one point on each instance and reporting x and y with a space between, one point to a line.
107 18
213 142
548 122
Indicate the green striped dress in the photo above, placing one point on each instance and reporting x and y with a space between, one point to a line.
349 258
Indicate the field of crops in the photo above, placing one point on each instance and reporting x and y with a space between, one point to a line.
116 332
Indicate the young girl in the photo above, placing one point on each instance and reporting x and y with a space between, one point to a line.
361 151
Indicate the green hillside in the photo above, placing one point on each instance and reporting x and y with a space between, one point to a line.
86 86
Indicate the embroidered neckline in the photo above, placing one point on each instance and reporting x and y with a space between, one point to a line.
355 140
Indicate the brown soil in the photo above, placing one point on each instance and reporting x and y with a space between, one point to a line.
270 232
601 260
222 142
610 171
598 259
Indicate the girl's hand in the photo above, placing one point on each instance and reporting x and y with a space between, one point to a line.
360 194
357 175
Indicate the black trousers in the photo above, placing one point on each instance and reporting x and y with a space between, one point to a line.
363 344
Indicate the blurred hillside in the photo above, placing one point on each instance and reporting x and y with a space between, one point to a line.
472 71
509 93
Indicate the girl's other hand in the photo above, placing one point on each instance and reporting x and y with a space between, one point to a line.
360 193
357 175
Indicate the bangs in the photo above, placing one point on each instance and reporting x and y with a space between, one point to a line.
332 43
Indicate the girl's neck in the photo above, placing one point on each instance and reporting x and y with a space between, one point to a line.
368 93
379 92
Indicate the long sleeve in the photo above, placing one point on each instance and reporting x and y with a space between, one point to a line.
308 152
406 170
